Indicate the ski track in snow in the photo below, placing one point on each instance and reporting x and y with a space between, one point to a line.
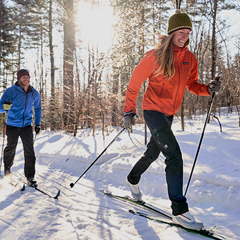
83 212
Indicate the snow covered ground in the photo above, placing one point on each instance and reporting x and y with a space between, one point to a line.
83 212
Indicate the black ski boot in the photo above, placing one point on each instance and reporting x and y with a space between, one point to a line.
31 182
7 172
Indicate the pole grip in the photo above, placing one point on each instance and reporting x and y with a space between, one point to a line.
218 76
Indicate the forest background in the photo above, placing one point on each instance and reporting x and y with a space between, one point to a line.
81 55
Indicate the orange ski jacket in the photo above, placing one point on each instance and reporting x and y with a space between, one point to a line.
162 94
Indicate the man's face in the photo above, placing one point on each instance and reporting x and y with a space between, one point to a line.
24 81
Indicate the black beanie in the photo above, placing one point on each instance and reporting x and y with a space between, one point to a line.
22 72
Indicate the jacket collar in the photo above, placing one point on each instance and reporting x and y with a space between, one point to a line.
180 49
30 89
179 52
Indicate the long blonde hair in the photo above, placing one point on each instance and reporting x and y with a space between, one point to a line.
164 55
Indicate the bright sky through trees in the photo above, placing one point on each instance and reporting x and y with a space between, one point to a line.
95 24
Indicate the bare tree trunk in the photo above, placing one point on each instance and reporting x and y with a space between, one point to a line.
115 90
94 88
141 53
50 35
78 105
41 80
213 50
69 48
88 87
1 21
214 39
182 115
94 105
19 47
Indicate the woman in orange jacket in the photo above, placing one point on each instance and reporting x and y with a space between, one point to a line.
170 68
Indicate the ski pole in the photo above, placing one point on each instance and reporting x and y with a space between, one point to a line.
34 138
200 142
4 133
72 184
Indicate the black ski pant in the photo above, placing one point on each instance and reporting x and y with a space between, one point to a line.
163 140
26 135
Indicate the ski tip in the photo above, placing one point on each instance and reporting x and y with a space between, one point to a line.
58 194
106 192
23 188
132 211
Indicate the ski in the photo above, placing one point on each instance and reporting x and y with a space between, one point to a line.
142 204
22 188
202 232
35 186
166 218
43 192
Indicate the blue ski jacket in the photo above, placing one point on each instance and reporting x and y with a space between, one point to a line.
21 112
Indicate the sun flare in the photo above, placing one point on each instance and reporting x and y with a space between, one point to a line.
95 24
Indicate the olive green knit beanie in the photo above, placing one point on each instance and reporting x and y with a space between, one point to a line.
179 21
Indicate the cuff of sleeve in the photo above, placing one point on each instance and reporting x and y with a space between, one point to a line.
207 89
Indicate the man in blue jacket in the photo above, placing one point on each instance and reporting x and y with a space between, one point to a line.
19 101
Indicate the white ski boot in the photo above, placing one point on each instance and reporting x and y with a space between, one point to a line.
188 221
134 190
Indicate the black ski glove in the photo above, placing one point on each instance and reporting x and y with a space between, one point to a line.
214 86
129 119
37 129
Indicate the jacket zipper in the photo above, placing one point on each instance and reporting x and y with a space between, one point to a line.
162 86
178 87
24 109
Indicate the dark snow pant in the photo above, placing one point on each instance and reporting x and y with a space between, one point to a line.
26 135
163 140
